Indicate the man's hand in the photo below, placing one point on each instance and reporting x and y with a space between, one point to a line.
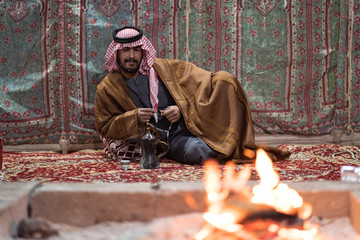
144 114
172 113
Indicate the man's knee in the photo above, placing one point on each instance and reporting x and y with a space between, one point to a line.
196 151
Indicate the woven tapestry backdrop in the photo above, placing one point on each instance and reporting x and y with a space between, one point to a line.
297 60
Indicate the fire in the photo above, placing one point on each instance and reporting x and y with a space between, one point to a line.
245 213
270 191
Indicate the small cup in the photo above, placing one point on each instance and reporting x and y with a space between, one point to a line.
125 164
350 174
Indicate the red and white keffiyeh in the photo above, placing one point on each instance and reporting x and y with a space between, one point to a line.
146 65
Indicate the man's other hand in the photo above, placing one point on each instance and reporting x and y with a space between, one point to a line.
172 113
144 114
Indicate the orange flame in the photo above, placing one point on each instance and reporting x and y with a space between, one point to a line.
269 192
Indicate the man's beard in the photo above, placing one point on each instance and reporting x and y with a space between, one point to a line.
130 69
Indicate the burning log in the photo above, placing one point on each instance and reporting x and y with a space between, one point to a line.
251 212
271 210
251 221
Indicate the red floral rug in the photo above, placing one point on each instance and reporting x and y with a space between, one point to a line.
306 163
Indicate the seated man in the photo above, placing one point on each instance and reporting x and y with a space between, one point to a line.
200 114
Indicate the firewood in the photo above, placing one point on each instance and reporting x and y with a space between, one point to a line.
245 211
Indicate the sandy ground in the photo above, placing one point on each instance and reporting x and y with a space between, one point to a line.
336 229
183 227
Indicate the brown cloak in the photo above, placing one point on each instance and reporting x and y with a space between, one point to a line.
214 107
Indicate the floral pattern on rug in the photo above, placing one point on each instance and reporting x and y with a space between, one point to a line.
316 162
306 163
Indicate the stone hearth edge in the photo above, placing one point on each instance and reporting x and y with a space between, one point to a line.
86 204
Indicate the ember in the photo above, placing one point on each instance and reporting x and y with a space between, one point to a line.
270 210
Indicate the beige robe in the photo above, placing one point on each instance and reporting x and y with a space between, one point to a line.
214 106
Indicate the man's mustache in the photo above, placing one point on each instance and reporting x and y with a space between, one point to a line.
131 60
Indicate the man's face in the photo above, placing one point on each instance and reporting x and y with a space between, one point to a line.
129 59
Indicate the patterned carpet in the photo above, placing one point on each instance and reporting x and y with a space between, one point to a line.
307 163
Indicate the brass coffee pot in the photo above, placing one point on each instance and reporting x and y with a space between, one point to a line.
150 159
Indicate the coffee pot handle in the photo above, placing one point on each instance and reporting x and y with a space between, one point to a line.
165 146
